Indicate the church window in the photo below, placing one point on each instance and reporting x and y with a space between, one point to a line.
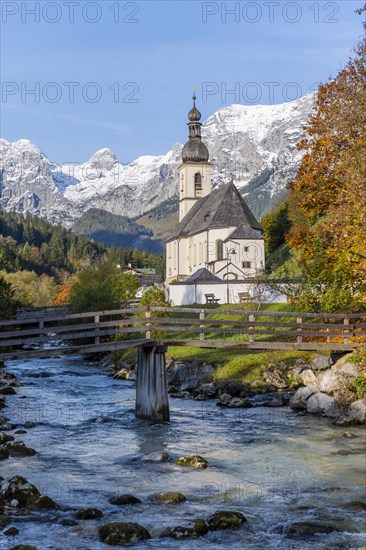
197 181
219 250
246 265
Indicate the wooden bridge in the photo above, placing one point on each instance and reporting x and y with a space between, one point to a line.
152 329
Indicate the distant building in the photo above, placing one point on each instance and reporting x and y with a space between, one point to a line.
146 276
216 229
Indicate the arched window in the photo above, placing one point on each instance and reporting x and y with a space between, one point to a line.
197 181
219 250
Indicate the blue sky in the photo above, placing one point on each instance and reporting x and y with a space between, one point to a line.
119 74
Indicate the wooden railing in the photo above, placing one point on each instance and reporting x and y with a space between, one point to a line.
72 333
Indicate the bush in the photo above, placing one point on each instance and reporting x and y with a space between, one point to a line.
154 296
103 287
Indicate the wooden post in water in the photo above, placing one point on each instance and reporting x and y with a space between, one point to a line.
152 401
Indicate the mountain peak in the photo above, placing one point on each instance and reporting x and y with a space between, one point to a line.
104 158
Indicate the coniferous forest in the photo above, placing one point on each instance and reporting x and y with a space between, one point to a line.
37 259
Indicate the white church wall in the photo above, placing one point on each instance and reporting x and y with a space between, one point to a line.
186 256
181 295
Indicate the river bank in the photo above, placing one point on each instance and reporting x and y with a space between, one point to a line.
332 385
286 474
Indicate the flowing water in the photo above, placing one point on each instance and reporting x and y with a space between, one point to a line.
273 466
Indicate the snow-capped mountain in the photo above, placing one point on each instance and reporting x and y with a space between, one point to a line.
255 146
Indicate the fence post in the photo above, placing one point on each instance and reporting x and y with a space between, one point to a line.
298 322
96 321
41 334
202 326
148 323
251 336
346 337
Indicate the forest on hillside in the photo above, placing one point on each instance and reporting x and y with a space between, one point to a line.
37 260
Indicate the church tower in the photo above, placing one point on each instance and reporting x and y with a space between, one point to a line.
195 173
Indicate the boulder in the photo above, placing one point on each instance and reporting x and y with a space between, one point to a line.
318 402
322 362
194 461
309 378
207 391
4 453
226 520
277 376
118 533
43 503
350 435
122 374
20 449
121 500
308 529
354 414
227 400
169 497
19 489
183 374
89 513
234 388
12 532
195 528
333 409
156 457
338 376
7 390
299 399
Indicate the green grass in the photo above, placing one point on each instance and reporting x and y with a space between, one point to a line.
235 364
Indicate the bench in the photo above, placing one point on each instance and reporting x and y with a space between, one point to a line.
210 299
244 297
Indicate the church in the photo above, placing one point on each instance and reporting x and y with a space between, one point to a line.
218 240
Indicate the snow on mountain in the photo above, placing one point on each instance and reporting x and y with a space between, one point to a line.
255 146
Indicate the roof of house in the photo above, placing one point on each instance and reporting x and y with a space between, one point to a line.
200 277
223 207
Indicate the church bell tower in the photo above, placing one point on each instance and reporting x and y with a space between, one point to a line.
196 172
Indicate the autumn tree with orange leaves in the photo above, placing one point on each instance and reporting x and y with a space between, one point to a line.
327 203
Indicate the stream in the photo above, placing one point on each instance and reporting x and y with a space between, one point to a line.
272 465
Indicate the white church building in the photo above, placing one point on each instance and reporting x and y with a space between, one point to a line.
217 245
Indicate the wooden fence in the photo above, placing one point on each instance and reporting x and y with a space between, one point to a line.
53 334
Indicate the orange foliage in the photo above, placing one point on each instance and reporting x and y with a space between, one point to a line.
63 295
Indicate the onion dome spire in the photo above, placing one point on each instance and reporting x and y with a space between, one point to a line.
194 150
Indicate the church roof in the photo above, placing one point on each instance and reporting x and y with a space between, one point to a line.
201 277
223 207
244 232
